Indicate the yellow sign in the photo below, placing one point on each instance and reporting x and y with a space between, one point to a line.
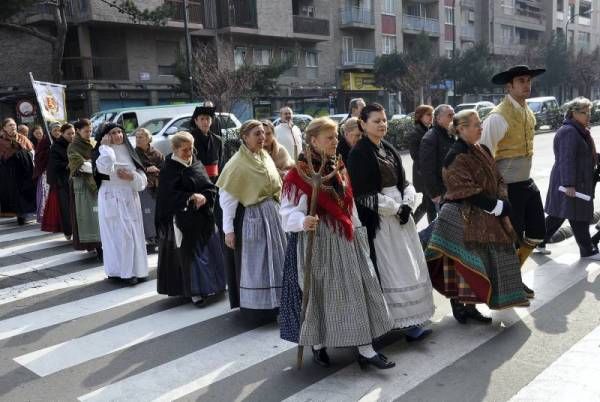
352 81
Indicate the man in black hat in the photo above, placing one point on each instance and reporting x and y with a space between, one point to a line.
208 146
508 132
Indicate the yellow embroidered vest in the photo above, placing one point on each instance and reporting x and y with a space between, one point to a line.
518 141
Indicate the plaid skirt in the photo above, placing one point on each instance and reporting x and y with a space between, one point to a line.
472 273
345 305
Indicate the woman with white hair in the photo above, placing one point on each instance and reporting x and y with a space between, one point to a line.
572 173
152 160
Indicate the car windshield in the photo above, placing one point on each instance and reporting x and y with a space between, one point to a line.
535 106
100 118
155 125
465 106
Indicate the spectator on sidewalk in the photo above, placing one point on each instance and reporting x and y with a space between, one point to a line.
288 134
350 135
423 120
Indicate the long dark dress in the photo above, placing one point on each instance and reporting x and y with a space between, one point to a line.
150 157
195 267
17 195
58 179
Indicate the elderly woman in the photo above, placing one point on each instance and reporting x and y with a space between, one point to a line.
385 200
345 304
348 138
16 169
40 160
152 160
84 191
423 121
120 173
249 191
279 154
471 254
573 172
58 179
190 255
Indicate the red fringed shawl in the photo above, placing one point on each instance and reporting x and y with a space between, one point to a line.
333 208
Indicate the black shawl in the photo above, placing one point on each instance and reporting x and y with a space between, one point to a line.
176 184
58 164
365 177
209 148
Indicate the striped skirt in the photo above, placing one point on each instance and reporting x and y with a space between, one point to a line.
262 257
345 305
41 196
473 273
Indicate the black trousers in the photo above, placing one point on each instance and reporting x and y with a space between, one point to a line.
527 216
581 230
427 206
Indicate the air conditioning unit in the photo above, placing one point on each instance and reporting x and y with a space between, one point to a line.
308 11
471 17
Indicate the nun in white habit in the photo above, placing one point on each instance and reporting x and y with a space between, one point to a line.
120 177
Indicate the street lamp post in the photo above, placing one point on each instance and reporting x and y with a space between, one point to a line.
188 48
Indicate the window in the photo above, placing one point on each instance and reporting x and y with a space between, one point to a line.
389 44
262 57
508 6
449 49
508 34
389 7
449 10
560 5
166 57
128 121
585 8
239 56
312 58
290 54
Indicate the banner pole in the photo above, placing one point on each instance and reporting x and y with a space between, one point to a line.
40 108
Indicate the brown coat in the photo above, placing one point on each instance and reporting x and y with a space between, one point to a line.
470 171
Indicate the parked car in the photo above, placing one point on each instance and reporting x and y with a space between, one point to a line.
484 112
134 117
596 111
300 120
160 138
398 116
547 112
475 105
338 117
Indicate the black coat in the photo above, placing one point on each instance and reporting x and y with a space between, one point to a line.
58 164
434 147
414 145
209 149
343 148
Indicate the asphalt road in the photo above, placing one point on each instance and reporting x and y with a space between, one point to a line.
66 333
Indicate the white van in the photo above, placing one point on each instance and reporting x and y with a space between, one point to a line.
132 118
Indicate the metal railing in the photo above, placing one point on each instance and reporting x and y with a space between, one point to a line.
310 25
418 24
467 3
200 11
356 15
95 68
351 57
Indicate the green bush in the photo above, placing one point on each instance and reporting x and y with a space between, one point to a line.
398 131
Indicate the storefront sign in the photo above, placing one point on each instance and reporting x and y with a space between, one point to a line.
355 81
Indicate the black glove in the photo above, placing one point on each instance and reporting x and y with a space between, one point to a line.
403 214
506 208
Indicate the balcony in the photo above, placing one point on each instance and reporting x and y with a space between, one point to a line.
414 24
355 17
237 13
95 68
358 58
467 3
467 32
200 12
310 26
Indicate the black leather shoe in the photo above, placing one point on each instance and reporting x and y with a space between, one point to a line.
424 334
99 254
379 361
458 311
321 357
21 221
131 281
528 292
474 314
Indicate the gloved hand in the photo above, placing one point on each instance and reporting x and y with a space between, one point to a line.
403 214
86 167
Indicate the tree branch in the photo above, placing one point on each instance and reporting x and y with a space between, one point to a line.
29 31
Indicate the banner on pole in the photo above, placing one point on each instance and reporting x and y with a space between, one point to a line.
51 100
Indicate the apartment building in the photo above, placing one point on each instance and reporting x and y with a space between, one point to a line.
578 20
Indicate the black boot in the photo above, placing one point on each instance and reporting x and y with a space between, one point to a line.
474 314
379 361
99 254
321 357
20 220
458 311
528 292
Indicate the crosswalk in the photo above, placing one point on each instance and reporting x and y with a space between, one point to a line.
67 333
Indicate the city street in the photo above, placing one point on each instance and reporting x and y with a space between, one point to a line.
67 333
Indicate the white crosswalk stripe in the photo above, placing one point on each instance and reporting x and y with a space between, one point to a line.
230 358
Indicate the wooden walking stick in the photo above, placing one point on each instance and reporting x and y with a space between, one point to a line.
316 179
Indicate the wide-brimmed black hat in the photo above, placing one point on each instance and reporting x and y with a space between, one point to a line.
203 110
505 77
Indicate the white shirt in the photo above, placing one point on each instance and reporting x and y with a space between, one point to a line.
290 139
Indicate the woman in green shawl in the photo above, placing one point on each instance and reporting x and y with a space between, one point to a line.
84 193
249 192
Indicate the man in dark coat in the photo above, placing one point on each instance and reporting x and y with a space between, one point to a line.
208 146
434 147
423 120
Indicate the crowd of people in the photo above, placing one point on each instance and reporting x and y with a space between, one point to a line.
318 229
